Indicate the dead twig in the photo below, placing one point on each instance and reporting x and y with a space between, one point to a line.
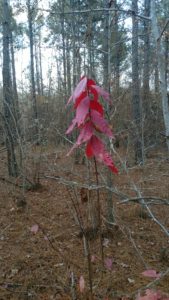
139 194
96 10
154 200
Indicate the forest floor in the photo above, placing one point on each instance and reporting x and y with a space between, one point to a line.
41 245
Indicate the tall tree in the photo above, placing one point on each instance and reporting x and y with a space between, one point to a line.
146 73
9 117
161 67
116 50
62 22
31 15
14 86
107 74
136 100
166 56
146 69
106 46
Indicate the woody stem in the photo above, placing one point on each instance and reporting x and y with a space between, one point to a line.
99 213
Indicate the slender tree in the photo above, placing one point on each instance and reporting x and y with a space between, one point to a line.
37 65
17 116
9 117
146 75
31 12
40 64
116 50
146 69
161 67
107 75
136 100
62 22
166 56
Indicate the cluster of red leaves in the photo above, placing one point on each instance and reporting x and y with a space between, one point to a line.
89 119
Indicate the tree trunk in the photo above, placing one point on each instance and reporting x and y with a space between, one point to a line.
16 109
68 66
146 75
146 70
63 50
40 64
156 76
161 67
106 49
72 6
136 101
37 64
33 89
107 71
116 52
7 94
166 57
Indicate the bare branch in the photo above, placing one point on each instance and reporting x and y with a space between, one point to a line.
139 194
155 200
128 12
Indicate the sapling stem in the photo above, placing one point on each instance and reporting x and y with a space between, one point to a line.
99 214
88 255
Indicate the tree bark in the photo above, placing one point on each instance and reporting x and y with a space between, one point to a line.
116 52
40 64
136 100
161 67
107 75
146 76
106 49
63 50
7 94
68 66
33 89
37 65
166 57
146 69
16 109
156 76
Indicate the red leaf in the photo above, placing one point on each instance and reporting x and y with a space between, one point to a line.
81 284
82 77
89 151
102 93
85 135
108 263
35 228
78 90
151 274
72 125
70 99
96 106
108 161
80 98
94 93
93 258
100 123
82 111
96 147
90 82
